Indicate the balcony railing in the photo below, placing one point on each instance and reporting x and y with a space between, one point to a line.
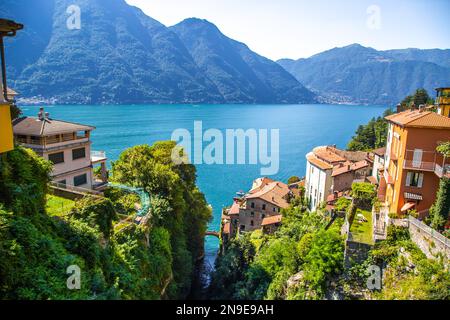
427 161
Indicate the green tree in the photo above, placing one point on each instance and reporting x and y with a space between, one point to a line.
372 135
293 179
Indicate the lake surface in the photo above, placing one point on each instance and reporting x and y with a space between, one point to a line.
302 127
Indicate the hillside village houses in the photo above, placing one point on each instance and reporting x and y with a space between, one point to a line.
330 173
260 208
67 145
413 167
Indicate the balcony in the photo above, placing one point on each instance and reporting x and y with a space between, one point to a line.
429 161
98 157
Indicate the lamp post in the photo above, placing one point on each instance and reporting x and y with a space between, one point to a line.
8 28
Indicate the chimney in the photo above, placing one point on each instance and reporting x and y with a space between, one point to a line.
422 108
41 114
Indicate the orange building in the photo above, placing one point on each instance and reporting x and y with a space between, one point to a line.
413 167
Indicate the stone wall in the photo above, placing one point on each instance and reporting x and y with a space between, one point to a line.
428 240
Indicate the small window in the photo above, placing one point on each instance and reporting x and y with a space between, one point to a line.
80 180
414 179
252 204
274 209
56 157
78 153
242 227
264 207
252 223
252 214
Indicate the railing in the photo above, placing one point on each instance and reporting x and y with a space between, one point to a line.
428 161
430 231
73 188
98 154
440 171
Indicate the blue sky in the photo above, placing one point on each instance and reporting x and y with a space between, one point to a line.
300 28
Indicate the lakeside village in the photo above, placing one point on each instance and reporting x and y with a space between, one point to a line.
405 177
405 174
403 181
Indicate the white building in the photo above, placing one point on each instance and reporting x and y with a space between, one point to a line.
67 145
330 172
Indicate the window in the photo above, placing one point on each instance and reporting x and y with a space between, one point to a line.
417 158
80 180
56 157
264 206
263 216
78 153
252 223
414 179
252 204
252 214
274 209
242 227
62 182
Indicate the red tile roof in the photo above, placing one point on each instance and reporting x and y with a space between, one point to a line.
318 163
272 220
380 151
234 208
421 119
349 167
35 127
274 192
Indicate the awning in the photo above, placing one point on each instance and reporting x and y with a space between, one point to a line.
408 206
413 196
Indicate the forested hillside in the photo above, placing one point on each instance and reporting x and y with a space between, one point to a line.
118 258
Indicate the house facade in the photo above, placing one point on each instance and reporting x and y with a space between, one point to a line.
259 209
413 167
378 164
67 145
330 171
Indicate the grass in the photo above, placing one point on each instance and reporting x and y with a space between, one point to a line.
57 206
362 231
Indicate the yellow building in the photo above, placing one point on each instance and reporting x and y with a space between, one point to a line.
443 101
6 132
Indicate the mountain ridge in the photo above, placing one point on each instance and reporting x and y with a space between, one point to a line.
364 75
120 56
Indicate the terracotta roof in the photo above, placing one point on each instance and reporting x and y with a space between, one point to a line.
35 127
260 183
421 119
272 220
380 151
326 154
349 167
274 192
234 208
318 163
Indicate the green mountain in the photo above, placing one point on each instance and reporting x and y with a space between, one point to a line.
359 74
238 73
120 55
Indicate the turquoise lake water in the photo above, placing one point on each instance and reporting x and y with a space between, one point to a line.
302 127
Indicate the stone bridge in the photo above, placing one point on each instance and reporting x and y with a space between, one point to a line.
212 234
